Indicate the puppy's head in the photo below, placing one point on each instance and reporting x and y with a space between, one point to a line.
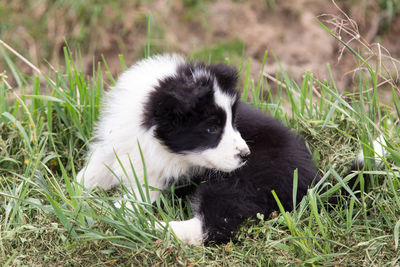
193 114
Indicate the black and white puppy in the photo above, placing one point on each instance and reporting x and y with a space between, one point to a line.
189 123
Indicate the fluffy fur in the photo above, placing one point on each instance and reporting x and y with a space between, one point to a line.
180 114
189 124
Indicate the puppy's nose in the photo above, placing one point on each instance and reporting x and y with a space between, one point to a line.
244 154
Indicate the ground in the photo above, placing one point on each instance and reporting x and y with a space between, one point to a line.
240 30
46 123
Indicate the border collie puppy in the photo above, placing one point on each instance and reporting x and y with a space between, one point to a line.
190 125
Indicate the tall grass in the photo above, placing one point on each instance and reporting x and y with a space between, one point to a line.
46 123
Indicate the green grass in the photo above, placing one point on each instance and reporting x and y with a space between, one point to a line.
390 8
48 218
231 51
39 30
41 24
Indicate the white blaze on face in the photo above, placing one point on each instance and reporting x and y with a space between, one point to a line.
226 156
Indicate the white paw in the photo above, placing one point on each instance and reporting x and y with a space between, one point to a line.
189 231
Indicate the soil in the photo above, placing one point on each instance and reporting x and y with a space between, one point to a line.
287 29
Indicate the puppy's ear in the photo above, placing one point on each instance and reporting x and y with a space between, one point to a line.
227 76
188 93
170 104
161 108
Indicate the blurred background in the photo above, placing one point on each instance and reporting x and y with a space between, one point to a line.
237 31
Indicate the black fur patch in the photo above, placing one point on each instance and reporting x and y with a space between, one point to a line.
183 109
227 199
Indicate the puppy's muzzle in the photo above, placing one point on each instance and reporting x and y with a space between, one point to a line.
243 155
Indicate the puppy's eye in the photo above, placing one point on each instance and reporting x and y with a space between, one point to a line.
212 129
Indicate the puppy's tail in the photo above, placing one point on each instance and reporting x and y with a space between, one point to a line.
379 155
355 186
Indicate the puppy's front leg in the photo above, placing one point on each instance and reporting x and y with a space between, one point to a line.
153 194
